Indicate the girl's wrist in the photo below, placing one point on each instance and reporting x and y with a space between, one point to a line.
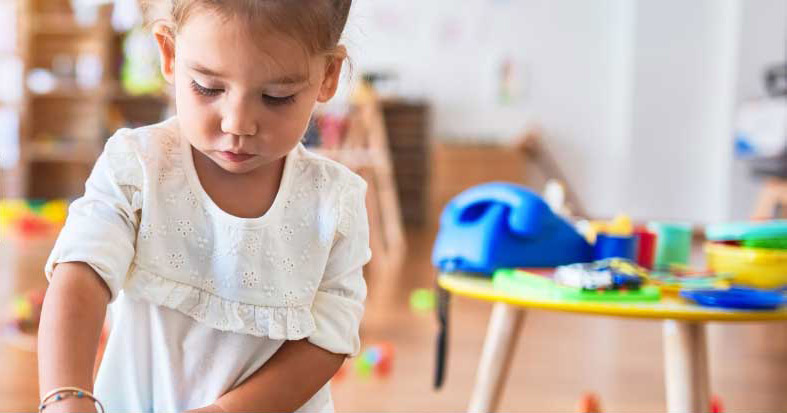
72 405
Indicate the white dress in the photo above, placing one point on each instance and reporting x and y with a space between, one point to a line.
200 298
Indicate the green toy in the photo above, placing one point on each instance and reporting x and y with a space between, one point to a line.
536 286
422 300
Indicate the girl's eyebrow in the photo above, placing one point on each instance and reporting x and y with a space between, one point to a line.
290 79
202 69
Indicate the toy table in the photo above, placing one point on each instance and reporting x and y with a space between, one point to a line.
685 348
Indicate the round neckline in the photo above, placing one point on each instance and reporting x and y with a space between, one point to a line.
199 190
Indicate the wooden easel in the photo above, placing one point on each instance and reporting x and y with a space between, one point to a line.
530 145
365 151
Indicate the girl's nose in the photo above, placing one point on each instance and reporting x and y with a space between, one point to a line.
238 120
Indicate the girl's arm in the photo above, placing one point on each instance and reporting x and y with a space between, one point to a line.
71 321
284 383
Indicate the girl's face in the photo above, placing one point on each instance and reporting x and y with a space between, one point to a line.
243 100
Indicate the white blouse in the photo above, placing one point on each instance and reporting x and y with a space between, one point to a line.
201 298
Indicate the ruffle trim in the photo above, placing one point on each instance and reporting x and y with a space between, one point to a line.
277 323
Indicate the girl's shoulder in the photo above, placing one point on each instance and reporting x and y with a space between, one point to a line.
326 173
144 141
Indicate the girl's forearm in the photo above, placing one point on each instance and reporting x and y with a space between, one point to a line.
71 322
287 381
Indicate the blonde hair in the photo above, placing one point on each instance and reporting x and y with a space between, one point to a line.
316 24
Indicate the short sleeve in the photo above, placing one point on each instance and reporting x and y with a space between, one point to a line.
102 225
339 301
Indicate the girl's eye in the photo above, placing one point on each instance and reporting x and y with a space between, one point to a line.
278 100
202 90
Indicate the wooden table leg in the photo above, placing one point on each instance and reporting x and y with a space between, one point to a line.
499 344
686 367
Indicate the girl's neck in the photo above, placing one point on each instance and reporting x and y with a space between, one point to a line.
248 195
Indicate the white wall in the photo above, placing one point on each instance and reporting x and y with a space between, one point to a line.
449 52
637 97
683 85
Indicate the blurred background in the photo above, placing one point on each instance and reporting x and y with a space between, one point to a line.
658 109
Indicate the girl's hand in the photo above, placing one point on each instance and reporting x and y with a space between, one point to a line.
72 405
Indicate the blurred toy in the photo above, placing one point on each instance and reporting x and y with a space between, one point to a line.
539 287
141 73
675 281
31 219
646 247
716 405
738 298
612 274
503 225
376 360
332 129
620 226
614 246
26 311
751 251
422 300
589 404
673 244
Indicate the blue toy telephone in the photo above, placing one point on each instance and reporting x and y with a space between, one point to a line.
504 225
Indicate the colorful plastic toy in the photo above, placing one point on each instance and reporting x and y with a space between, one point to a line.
422 300
377 360
613 274
615 246
759 268
736 298
31 219
673 244
739 231
646 247
503 225
537 286
589 404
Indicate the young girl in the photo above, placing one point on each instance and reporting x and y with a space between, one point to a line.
231 255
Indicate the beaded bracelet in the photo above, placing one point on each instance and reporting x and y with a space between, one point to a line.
62 393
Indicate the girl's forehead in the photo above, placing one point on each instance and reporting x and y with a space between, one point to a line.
229 47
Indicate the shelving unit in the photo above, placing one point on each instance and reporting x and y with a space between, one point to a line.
64 127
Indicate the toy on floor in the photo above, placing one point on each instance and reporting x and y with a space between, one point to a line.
422 300
503 225
376 360
26 311
589 403
31 219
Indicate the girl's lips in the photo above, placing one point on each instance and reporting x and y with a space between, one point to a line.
235 157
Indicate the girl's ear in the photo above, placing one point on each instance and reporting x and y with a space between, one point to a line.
166 49
333 71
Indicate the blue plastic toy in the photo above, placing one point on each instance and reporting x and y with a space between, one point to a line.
736 298
503 225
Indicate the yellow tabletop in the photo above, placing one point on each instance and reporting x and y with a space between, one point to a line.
668 308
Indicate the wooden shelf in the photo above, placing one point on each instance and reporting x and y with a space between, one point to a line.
67 152
62 24
71 93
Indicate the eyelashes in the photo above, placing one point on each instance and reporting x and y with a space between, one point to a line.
204 91
278 101
268 99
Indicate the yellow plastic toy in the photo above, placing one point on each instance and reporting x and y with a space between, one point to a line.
756 267
620 226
